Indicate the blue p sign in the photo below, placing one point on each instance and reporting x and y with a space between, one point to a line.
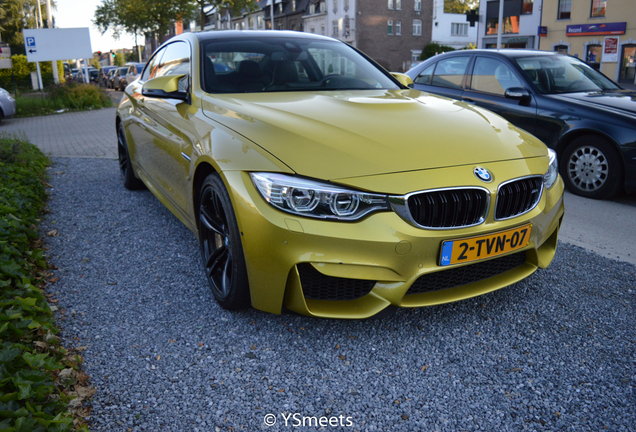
30 41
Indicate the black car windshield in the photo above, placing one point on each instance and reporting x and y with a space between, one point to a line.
562 74
287 64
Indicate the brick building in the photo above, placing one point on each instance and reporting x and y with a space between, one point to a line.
393 32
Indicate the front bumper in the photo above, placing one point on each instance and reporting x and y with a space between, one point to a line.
382 247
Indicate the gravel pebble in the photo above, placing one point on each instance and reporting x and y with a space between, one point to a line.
555 352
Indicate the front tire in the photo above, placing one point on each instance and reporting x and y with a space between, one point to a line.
125 164
591 168
221 248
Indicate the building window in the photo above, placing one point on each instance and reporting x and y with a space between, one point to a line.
527 6
563 49
312 9
418 5
335 29
323 7
398 28
280 8
312 30
598 9
417 27
415 55
565 9
459 29
398 4
250 20
322 30
346 5
259 21
390 27
391 4
335 6
511 25
293 5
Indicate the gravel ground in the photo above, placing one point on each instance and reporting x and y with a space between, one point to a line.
555 352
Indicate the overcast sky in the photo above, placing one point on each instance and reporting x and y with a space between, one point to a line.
74 13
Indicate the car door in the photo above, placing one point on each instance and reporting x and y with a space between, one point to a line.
446 77
486 87
164 120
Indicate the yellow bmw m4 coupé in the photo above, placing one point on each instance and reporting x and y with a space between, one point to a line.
318 182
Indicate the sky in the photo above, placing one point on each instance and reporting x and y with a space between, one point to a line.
80 13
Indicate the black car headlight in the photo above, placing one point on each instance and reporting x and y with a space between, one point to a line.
311 198
553 171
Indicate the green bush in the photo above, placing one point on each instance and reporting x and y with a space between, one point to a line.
22 72
30 356
70 96
434 48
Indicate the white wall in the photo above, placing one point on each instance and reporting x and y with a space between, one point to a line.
528 26
442 27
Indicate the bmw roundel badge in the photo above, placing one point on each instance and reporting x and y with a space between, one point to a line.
483 174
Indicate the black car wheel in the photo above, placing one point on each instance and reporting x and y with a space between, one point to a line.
221 247
591 168
125 165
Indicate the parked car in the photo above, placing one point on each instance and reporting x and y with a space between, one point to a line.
7 104
119 75
134 70
93 76
587 118
318 182
103 75
110 77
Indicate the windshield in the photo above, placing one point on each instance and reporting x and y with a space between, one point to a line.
286 64
562 74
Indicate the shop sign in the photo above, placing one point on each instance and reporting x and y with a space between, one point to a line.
596 29
610 49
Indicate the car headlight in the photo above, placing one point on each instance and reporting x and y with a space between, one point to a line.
553 171
316 199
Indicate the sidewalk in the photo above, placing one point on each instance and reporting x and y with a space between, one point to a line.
77 134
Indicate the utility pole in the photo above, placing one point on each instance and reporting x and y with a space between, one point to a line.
272 12
499 27
40 14
49 24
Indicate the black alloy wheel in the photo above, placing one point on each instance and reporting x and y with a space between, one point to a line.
591 167
221 247
131 182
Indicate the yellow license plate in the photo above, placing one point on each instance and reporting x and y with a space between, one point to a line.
476 248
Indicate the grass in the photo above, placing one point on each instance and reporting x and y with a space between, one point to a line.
69 97
38 378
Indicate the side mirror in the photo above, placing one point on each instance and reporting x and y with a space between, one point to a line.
518 93
405 80
165 87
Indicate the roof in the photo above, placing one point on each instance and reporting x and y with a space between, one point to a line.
507 52
257 34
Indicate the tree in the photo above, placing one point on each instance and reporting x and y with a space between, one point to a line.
141 16
16 15
234 6
119 59
459 6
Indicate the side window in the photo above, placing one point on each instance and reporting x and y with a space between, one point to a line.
151 70
493 76
450 72
175 60
425 76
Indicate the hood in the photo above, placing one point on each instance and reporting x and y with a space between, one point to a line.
623 100
345 134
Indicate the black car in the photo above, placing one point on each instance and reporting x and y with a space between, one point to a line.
587 118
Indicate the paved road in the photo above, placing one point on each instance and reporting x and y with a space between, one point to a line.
78 134
604 227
